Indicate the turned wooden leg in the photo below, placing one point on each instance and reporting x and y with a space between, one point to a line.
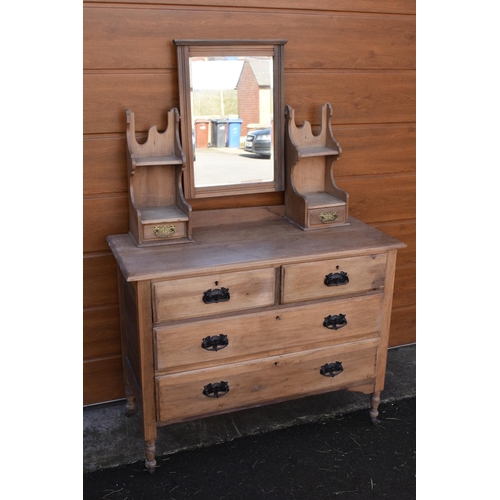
150 456
131 408
374 402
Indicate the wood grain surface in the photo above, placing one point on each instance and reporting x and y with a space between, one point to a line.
358 55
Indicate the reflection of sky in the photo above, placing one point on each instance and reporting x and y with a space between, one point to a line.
215 75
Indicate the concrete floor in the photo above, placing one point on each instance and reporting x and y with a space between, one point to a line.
111 439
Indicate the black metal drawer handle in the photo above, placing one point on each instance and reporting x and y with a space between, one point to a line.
331 369
336 321
336 279
216 390
215 342
216 295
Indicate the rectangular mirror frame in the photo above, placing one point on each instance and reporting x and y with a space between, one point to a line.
195 48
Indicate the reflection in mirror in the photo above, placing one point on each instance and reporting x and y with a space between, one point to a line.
231 115
232 93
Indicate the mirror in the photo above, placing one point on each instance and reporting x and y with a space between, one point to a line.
231 92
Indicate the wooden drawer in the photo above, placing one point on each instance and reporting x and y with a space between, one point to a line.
315 219
306 281
271 332
184 298
171 231
272 379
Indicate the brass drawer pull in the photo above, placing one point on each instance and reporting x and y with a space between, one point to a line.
327 217
331 369
215 342
164 231
336 279
334 322
216 295
216 390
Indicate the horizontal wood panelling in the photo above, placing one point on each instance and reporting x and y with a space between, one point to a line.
404 286
96 227
101 332
403 326
389 6
143 38
356 97
404 231
103 380
106 96
375 150
364 97
99 281
374 199
105 165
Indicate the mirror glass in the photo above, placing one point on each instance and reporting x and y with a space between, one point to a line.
231 92
231 117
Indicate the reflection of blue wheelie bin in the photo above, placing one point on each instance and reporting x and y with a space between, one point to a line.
234 132
219 128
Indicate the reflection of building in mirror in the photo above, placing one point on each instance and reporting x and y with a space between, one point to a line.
231 101
254 91
234 90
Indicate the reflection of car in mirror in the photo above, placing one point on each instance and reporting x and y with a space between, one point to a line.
259 142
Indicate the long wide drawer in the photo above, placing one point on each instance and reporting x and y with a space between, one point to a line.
330 278
213 294
204 343
199 393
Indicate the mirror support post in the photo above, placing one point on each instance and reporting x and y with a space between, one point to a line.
185 114
279 125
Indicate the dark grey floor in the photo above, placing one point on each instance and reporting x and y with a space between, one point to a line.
342 457
111 440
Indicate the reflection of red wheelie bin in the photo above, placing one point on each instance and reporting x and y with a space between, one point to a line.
201 127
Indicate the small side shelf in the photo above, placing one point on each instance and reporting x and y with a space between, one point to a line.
158 211
160 160
312 199
310 152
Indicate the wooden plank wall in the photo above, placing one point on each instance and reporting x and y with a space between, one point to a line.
359 55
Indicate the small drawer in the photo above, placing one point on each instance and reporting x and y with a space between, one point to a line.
164 231
213 294
328 216
330 278
208 342
198 393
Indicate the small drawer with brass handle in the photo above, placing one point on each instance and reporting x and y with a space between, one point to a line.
164 231
327 216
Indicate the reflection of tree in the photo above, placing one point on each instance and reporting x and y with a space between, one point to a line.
218 103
